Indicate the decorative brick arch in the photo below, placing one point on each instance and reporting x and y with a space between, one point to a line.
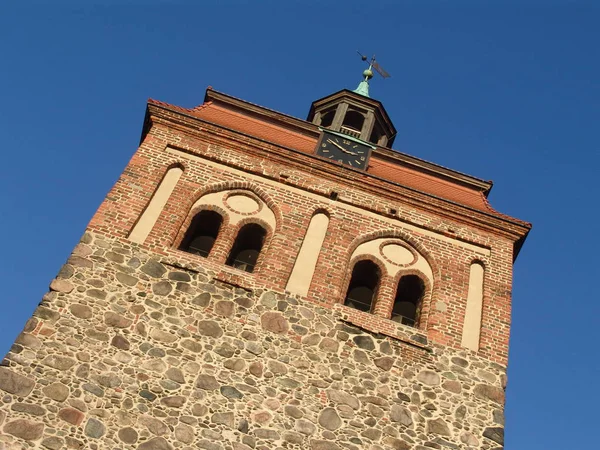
384 299
254 188
177 163
394 234
478 260
190 216
320 209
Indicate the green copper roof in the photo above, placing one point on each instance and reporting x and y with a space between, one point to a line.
363 88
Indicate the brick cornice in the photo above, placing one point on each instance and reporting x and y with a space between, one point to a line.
513 229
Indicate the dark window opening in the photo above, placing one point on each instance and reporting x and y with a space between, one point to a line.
247 247
202 233
363 285
376 134
354 120
333 195
327 118
408 299
353 123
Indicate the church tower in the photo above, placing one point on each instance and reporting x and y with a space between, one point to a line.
258 281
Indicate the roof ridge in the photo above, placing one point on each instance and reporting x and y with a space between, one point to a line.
494 211
264 122
170 105
429 176
257 105
201 106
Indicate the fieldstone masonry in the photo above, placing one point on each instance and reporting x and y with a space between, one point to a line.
130 351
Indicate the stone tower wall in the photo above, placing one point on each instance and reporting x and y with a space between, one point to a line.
139 345
135 350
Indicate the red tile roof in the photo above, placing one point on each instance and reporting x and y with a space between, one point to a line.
255 127
388 170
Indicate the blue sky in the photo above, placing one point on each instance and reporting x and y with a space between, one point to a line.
506 91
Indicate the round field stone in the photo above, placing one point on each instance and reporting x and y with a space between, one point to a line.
180 276
438 426
58 362
487 392
157 443
24 429
154 269
162 288
61 285
14 383
210 328
401 415
225 308
71 415
231 392
128 435
274 322
364 342
120 342
330 419
113 319
81 311
127 280
56 391
27 408
429 377
202 300
53 443
207 382
94 428
496 434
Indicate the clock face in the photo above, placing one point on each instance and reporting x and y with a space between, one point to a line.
345 151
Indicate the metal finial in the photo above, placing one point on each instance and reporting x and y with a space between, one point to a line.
373 65
363 87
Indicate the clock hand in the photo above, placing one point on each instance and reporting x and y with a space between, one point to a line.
341 148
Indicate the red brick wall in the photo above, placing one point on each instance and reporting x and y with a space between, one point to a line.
348 227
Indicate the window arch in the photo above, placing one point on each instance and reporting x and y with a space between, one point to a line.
363 285
202 233
408 300
247 247
354 120
327 118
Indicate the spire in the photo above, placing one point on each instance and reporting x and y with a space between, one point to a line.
363 86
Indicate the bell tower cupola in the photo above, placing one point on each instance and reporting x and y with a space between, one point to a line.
355 113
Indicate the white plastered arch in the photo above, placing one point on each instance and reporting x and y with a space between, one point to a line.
396 255
240 204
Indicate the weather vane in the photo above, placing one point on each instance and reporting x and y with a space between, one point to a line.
372 65
363 87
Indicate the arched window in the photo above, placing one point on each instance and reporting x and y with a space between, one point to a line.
354 120
327 118
408 298
363 285
202 233
247 247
